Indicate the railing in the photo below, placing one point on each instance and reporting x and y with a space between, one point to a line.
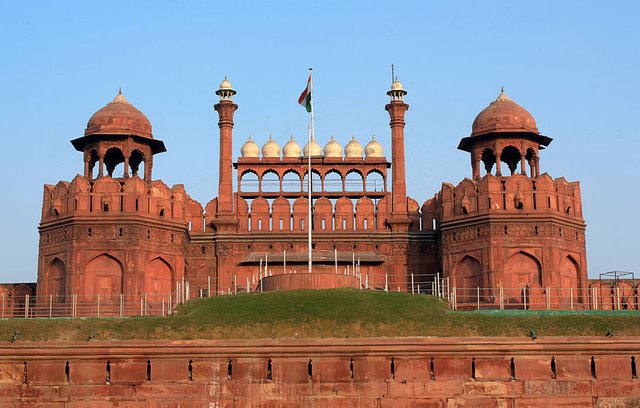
547 298
478 298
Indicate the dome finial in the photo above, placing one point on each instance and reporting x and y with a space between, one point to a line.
502 89
120 98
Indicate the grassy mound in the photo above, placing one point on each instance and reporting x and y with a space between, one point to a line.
323 313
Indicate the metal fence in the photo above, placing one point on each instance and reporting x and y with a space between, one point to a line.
602 297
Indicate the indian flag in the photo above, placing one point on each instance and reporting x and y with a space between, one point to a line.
305 96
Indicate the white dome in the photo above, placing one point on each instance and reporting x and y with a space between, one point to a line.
353 148
373 148
332 149
316 150
271 148
250 149
291 149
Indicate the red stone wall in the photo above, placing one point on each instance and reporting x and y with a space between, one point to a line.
400 372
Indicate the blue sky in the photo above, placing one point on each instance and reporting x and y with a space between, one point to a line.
573 64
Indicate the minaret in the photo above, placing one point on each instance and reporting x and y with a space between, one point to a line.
225 108
399 219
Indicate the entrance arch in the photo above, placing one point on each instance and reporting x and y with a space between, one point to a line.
56 280
103 276
468 275
522 269
158 277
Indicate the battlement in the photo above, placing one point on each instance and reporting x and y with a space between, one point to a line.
513 195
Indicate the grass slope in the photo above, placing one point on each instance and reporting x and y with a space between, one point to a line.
323 313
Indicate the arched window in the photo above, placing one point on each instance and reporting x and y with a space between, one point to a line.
249 182
270 182
291 181
488 159
316 182
375 181
354 181
137 163
114 162
333 181
511 156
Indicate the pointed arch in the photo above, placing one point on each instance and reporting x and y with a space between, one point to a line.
467 274
569 273
56 280
522 269
158 277
103 276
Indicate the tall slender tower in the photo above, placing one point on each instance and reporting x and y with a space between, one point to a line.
399 219
225 220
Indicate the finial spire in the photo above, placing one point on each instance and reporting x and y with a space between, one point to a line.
393 73
502 89
120 91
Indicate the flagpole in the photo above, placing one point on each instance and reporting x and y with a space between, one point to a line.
311 137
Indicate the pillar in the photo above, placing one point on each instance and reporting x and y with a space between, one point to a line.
523 165
397 109
101 166
225 109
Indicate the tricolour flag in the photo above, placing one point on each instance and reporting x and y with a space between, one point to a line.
305 96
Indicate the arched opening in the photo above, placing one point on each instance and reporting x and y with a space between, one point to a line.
521 270
569 273
511 156
56 279
103 276
249 182
316 182
531 160
137 163
468 276
158 278
488 159
270 182
375 181
291 181
354 181
114 162
333 181
93 159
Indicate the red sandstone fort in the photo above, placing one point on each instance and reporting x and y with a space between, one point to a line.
115 230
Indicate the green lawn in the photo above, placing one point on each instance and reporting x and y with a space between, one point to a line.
324 313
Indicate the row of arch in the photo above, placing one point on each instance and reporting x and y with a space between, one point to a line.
510 155
521 269
332 180
104 275
117 163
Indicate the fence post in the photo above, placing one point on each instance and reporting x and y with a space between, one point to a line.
359 281
145 304
26 306
501 298
121 304
571 296
248 287
98 305
413 292
3 305
454 298
141 306
525 298
618 298
208 286
478 296
162 307
366 286
386 283
235 284
169 304
548 298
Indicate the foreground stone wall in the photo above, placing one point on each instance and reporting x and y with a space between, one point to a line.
395 372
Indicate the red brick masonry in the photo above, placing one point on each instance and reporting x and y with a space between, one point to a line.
390 372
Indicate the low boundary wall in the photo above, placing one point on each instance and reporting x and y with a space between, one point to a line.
380 372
